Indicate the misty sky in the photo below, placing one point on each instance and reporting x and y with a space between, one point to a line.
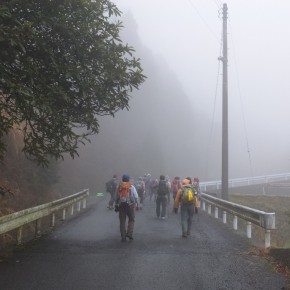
187 35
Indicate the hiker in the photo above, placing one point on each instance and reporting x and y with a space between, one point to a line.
167 179
186 198
111 187
140 187
197 189
153 188
126 201
147 180
175 186
189 179
163 197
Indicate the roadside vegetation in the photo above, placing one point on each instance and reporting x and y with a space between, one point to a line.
63 66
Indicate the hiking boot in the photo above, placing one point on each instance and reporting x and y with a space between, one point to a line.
184 235
163 217
129 237
188 233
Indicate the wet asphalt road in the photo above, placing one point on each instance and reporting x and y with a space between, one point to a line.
87 253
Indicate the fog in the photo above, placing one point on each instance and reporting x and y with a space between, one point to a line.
174 123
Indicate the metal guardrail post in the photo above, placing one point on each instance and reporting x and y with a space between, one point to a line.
235 222
63 214
249 230
216 212
52 219
209 209
19 235
267 239
38 228
224 217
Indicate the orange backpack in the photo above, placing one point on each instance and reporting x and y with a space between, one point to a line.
123 192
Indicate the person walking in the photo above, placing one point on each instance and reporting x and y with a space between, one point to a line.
186 198
126 201
140 187
175 186
147 180
153 188
163 197
196 186
111 187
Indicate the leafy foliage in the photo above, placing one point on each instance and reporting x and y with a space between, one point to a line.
62 65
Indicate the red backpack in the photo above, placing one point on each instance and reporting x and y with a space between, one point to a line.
123 192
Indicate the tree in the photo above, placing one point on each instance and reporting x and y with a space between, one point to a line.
63 66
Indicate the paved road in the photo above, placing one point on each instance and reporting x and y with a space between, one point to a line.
87 254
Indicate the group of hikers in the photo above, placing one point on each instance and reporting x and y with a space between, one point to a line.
126 196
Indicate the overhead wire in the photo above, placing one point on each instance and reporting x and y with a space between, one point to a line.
241 102
217 3
213 113
203 19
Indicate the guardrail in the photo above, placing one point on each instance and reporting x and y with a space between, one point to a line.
246 181
17 220
251 215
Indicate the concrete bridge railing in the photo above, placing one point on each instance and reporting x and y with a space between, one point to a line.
17 220
260 218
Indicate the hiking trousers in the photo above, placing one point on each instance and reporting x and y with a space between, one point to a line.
112 199
161 201
141 195
126 210
186 212
174 195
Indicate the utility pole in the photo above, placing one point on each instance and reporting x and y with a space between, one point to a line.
225 141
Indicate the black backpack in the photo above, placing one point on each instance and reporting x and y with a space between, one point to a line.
110 186
162 188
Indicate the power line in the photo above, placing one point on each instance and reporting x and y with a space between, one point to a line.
242 106
203 19
218 3
213 112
